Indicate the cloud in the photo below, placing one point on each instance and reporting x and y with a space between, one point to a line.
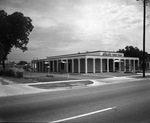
99 19
67 26
103 24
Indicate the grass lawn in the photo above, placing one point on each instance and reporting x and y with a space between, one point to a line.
141 76
36 79
63 84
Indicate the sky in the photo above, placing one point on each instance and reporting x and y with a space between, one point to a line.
72 26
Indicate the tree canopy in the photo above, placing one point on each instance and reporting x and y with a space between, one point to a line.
146 1
22 63
14 31
130 51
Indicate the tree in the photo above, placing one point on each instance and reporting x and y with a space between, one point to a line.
22 63
130 51
146 1
1 51
14 31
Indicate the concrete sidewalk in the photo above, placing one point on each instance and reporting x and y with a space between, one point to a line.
18 89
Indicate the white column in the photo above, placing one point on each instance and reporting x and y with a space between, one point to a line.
49 64
67 65
101 66
72 65
114 65
39 66
125 65
57 65
86 65
129 64
33 66
78 65
53 65
36 69
119 64
134 65
138 64
93 65
107 65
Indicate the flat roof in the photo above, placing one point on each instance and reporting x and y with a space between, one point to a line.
82 54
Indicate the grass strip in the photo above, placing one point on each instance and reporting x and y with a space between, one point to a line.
62 84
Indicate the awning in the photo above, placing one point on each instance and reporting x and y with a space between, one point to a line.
62 61
46 62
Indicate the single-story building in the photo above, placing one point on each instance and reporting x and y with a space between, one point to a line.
87 62
147 61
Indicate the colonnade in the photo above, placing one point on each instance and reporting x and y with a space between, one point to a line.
86 65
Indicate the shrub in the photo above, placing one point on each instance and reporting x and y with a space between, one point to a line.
9 72
1 72
19 74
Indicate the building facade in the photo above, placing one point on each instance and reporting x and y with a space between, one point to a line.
87 62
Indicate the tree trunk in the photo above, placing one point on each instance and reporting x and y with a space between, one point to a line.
3 63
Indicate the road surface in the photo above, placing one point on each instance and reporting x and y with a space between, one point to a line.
116 103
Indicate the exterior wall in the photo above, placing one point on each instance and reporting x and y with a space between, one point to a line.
51 66
38 66
104 65
82 65
116 66
148 65
75 65
44 67
64 67
90 65
55 66
69 66
110 65
122 65
59 66
97 65
132 65
127 65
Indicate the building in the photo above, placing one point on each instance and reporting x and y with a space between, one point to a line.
147 61
87 62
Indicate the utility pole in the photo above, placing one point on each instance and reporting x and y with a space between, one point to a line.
144 26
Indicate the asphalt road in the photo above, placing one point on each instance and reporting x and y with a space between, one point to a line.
116 103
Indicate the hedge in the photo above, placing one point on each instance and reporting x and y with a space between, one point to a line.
11 73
